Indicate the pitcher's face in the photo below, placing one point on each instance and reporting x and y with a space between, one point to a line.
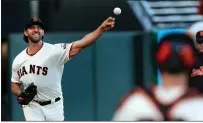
34 33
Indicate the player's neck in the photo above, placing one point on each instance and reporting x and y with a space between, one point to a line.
34 47
177 80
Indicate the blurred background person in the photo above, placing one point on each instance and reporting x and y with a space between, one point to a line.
172 101
197 70
194 32
4 90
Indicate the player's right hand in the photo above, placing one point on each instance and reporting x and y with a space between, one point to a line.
23 98
108 24
20 100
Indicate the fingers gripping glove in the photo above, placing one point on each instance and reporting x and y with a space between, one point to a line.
27 95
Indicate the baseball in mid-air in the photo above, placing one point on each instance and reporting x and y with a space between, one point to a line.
117 11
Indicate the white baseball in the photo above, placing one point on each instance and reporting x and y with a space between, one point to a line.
117 11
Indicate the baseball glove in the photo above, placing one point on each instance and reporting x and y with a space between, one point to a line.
27 95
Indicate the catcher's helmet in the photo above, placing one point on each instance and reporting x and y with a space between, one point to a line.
30 22
175 53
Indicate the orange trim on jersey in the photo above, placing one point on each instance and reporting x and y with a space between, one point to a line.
36 52
142 92
70 50
17 83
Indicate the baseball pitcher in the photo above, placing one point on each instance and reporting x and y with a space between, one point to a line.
37 70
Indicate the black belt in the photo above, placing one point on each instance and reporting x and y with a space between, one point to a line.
43 103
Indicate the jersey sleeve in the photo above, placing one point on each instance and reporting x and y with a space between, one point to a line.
62 52
15 77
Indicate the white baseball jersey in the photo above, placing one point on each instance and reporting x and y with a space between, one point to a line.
44 69
139 106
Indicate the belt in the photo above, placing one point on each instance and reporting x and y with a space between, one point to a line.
43 103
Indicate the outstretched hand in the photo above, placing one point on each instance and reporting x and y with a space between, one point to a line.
108 24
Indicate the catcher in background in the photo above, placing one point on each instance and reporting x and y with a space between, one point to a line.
173 101
194 32
39 68
196 80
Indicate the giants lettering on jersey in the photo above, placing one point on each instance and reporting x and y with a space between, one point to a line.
33 69
197 72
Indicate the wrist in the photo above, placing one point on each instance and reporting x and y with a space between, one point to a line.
19 93
101 29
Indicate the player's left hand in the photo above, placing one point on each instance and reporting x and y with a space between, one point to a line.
26 96
108 24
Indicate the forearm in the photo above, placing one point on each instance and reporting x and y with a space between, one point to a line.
91 38
16 89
